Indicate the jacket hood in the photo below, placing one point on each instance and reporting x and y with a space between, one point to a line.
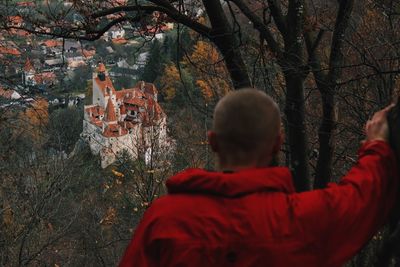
274 179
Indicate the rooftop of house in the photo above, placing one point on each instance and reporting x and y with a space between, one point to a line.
26 4
9 94
28 66
9 51
120 40
52 43
15 19
88 53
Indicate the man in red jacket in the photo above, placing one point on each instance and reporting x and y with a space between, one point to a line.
248 214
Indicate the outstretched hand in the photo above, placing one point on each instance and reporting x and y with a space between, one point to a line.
377 128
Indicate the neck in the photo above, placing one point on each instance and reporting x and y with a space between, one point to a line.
231 166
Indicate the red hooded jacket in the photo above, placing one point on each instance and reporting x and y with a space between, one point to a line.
254 217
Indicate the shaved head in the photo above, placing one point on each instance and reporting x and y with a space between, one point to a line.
246 126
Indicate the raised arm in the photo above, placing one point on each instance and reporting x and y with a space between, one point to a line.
343 217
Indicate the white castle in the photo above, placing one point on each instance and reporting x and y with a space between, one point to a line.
128 120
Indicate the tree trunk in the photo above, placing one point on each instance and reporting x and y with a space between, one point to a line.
327 87
296 131
224 38
326 144
292 64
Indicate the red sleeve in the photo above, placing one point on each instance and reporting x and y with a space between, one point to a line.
343 217
136 254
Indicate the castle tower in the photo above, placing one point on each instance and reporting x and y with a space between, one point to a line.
102 86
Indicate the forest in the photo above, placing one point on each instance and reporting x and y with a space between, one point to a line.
328 64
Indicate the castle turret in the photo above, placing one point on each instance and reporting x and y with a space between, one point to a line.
110 115
101 72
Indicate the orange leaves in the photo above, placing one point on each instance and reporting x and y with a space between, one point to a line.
205 90
110 217
118 174
169 81
38 114
207 66
206 70
34 121
204 55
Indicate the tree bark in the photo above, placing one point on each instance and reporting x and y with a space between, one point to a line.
328 87
224 38
296 131
292 65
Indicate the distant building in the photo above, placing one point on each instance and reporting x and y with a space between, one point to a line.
28 74
129 119
116 32
15 21
9 94
30 77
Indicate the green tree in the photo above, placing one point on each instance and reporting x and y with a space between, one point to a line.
65 126
155 63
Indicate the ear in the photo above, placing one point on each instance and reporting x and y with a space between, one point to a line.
212 140
278 142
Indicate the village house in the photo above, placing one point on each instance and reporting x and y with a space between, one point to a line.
128 120
9 94
30 77
116 32
15 21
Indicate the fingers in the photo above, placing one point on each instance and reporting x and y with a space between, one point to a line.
383 112
377 127
388 108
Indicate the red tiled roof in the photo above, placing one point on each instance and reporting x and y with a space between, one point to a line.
18 32
120 2
9 51
45 77
6 93
149 88
96 122
28 65
135 101
110 111
134 108
130 93
113 130
119 40
96 111
88 53
15 19
122 109
30 4
52 43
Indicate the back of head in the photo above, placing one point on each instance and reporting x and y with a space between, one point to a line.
246 124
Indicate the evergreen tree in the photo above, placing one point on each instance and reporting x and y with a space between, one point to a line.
155 63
